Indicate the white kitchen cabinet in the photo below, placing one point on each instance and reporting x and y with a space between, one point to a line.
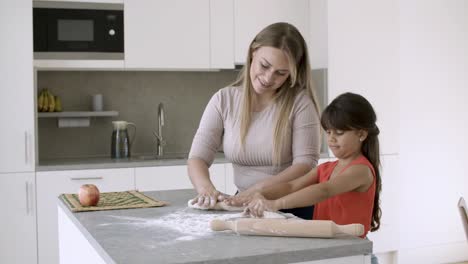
167 34
363 58
18 242
85 1
231 188
17 86
221 34
252 16
174 177
50 184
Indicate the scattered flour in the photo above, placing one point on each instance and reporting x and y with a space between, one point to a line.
190 225
186 238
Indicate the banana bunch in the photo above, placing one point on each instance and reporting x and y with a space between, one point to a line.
47 102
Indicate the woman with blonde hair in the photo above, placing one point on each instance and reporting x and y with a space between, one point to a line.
267 121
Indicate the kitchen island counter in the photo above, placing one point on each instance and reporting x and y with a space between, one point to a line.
177 234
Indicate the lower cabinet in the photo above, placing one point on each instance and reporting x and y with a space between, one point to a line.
231 188
174 177
51 184
18 218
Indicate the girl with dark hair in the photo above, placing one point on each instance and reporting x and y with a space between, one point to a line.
346 190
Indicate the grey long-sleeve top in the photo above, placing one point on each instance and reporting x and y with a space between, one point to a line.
220 124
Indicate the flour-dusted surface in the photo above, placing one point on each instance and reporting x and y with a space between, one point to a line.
221 206
191 225
177 234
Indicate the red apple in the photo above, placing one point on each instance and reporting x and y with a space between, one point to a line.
88 195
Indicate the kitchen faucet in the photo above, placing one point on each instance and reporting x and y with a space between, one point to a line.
160 142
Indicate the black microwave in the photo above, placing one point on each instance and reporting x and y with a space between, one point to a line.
78 30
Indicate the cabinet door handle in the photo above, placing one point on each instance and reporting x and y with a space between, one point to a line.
85 178
31 197
27 198
26 147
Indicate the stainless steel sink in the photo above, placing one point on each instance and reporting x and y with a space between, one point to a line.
168 156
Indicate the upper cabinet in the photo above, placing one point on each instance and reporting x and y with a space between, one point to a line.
194 35
178 34
85 1
167 34
252 16
221 34
17 81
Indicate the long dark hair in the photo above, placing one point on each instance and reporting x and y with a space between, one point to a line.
351 111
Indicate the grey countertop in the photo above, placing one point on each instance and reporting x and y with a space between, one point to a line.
177 234
134 162
108 163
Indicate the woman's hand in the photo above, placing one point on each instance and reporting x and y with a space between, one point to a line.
243 198
237 200
240 199
260 204
207 199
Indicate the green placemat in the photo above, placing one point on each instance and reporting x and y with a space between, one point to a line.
112 201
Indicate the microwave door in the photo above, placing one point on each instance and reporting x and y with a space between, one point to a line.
71 30
87 32
40 29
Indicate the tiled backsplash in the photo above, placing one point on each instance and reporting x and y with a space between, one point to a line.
135 95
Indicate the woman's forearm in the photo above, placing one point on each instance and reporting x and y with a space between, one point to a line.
200 175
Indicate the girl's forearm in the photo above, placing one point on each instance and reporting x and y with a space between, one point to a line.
276 191
305 197
291 173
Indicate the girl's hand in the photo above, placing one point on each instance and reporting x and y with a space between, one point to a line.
240 199
258 205
208 199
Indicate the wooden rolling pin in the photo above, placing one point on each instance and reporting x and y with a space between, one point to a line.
287 227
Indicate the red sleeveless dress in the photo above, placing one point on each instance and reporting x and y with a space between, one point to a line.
350 207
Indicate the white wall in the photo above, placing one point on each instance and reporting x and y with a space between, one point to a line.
410 59
433 125
318 41
363 58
